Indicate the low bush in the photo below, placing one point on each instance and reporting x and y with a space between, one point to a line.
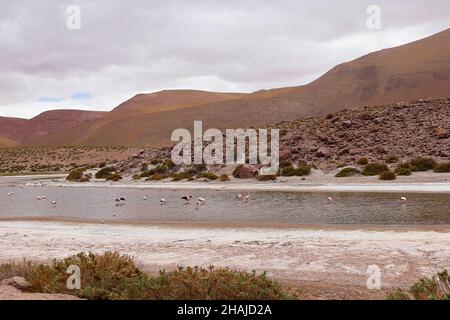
207 175
403 169
373 169
267 177
237 171
290 171
303 170
224 177
156 177
391 159
387 175
114 177
363 162
422 164
435 288
110 276
442 167
105 172
76 175
347 172
182 175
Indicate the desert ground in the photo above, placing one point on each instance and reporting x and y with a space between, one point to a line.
324 262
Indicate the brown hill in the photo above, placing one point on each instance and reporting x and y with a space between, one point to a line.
10 128
6 143
123 119
23 130
417 70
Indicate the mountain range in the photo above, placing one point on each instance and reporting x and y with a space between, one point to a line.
420 69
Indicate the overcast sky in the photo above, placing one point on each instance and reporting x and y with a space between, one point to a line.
125 47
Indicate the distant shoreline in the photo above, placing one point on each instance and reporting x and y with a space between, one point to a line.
318 182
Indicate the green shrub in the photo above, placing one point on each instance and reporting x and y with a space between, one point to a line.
160 169
75 174
237 171
207 175
169 164
285 163
391 159
422 164
403 169
114 177
157 177
224 177
387 175
373 169
398 294
267 177
182 175
442 167
113 276
435 288
347 172
303 170
363 162
290 171
105 172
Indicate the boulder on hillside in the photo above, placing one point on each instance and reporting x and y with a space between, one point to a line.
247 171
442 133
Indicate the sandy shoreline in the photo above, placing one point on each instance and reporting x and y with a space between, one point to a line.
317 182
334 260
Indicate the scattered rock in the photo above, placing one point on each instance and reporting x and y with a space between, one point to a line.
248 172
442 133
17 282
323 152
347 124
285 154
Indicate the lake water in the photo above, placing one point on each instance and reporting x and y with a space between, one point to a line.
222 207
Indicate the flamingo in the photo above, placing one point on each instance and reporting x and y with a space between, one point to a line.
119 200
330 200
144 198
187 199
162 201
403 200
54 202
10 194
239 196
202 200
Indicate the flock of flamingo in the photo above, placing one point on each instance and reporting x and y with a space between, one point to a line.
200 201
187 199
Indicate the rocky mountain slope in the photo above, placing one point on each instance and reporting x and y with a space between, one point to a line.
403 130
